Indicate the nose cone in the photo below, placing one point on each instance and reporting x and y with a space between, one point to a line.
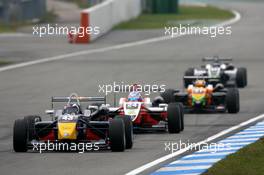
67 131
198 97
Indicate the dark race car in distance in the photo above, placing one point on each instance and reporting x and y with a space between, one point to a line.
221 70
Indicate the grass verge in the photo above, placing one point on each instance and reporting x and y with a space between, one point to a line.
81 3
7 28
155 21
4 63
247 161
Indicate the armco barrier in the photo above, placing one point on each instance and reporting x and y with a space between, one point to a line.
105 16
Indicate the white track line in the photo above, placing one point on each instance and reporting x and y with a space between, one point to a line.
238 140
180 168
245 136
195 161
252 132
229 149
177 153
209 154
110 48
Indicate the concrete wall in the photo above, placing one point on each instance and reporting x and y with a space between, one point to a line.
112 12
108 14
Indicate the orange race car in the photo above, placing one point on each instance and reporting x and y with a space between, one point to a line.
200 96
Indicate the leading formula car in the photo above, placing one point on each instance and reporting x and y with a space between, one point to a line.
203 97
72 124
150 116
219 70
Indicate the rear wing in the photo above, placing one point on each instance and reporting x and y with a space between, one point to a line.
206 78
75 98
80 99
216 59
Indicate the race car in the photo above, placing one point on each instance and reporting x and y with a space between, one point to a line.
72 124
150 116
219 70
203 97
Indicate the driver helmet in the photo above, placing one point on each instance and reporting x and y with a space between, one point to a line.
199 83
215 64
134 96
71 109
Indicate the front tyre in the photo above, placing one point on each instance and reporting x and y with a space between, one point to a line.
174 118
20 136
117 135
232 100
31 120
182 115
241 77
128 130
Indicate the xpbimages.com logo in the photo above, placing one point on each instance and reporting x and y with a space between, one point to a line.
61 146
64 30
212 147
147 89
213 31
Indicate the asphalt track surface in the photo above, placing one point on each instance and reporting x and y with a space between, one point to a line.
25 91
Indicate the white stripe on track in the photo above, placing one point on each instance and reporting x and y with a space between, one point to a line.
245 136
184 168
251 132
227 149
237 143
237 140
209 154
195 161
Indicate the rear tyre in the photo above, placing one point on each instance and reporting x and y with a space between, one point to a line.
20 138
117 135
31 120
128 130
232 100
174 118
241 77
168 96
188 72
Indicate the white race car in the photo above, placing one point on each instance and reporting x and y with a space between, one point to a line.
219 70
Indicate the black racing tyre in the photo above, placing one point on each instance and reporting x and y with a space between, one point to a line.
232 100
188 72
128 130
31 120
168 96
182 115
241 77
244 70
20 138
174 118
117 135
